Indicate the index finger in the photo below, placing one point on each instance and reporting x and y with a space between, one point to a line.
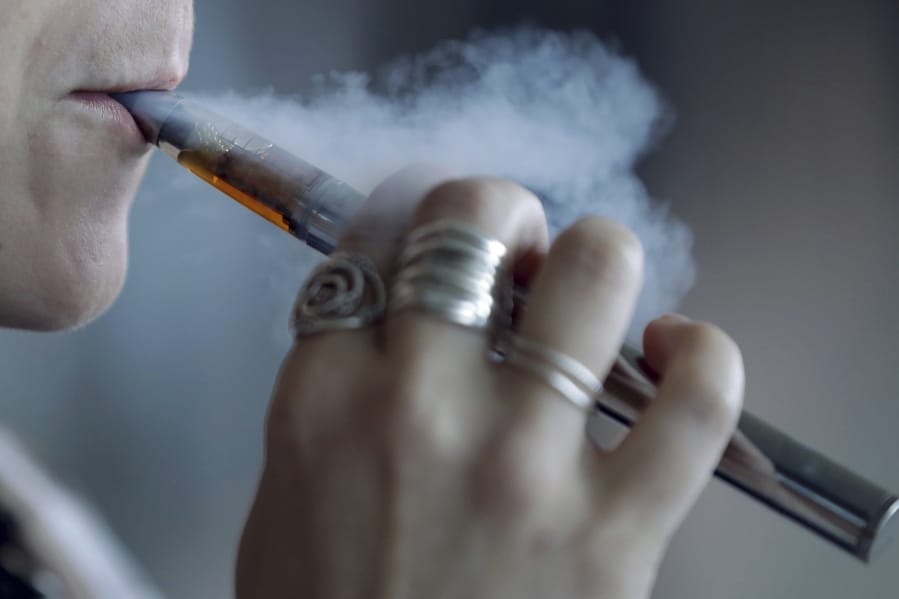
666 460
380 225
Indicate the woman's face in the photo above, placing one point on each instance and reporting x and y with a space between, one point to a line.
70 158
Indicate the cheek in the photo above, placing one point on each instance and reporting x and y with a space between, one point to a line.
82 180
77 170
64 222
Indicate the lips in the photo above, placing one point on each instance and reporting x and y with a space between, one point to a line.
109 111
98 99
159 84
167 82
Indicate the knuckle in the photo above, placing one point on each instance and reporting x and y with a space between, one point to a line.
602 250
400 405
302 396
512 483
717 395
404 432
464 197
417 428
504 491
712 409
479 199
711 341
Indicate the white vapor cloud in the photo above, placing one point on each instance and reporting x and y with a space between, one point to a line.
558 112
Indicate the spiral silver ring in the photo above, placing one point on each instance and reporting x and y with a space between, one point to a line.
343 292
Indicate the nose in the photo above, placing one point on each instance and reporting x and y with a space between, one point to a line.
180 28
160 33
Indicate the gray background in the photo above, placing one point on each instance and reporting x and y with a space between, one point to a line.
784 159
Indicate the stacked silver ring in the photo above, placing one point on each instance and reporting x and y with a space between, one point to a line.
568 376
455 272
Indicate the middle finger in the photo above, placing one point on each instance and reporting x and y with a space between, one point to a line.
495 209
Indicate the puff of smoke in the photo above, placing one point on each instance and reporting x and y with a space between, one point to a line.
558 112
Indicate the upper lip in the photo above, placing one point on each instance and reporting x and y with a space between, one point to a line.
164 81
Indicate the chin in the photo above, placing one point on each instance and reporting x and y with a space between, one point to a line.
68 282
86 304
93 277
72 249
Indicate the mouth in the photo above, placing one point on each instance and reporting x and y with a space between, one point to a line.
101 103
109 113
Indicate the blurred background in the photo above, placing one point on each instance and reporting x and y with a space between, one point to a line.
783 158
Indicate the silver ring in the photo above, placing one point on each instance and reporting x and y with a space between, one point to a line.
343 292
453 271
569 377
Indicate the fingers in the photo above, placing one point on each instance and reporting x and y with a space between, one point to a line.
581 302
657 473
496 208
377 230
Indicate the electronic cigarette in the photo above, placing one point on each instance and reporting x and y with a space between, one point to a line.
833 502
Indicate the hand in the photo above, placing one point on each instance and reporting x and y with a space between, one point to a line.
401 463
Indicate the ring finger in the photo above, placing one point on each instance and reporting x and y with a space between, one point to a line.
579 305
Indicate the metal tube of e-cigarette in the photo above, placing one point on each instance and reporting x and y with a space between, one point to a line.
838 505
831 501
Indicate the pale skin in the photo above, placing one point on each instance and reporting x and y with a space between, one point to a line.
68 173
418 469
399 462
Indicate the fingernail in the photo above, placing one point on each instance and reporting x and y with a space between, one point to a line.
673 318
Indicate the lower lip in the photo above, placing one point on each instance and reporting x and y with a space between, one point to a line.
111 111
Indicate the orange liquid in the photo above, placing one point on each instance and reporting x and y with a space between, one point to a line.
197 166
